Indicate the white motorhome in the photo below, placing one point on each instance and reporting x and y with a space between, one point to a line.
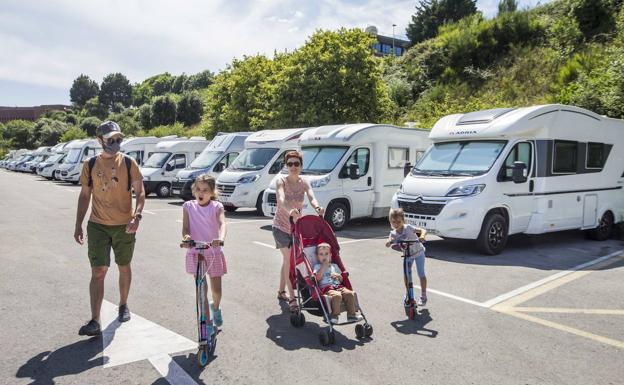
77 152
142 147
243 183
40 154
169 157
47 167
216 157
528 170
354 169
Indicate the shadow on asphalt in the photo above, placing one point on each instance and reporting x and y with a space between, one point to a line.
189 364
71 359
416 326
284 335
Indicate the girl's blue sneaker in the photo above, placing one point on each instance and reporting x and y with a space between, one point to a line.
217 318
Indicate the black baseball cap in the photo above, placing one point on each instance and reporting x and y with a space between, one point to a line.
108 129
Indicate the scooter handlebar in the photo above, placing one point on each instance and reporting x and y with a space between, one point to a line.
199 245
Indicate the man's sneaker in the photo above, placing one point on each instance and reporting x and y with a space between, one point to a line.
333 321
92 328
217 318
124 314
422 301
355 318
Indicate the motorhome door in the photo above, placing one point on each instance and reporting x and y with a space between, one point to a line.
176 163
518 193
359 186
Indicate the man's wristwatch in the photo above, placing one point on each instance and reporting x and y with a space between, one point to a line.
138 216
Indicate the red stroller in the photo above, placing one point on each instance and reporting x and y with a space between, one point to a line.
308 232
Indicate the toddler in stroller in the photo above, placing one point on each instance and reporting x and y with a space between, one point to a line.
308 233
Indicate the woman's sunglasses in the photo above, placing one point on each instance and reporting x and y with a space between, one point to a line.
110 141
293 164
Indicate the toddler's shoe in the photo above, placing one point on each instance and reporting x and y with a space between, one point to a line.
217 318
422 301
333 320
354 318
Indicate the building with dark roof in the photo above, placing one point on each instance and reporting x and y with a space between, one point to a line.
388 45
28 113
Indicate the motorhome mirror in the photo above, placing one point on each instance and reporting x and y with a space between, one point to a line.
219 167
354 171
169 167
407 168
519 172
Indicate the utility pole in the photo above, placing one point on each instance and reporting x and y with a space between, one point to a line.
393 50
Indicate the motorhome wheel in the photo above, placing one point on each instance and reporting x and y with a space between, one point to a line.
163 190
337 215
604 229
493 236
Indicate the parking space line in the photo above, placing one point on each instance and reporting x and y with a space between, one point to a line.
568 329
149 212
563 310
249 221
558 276
453 296
359 240
264 244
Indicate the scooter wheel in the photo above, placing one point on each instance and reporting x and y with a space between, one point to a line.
202 357
324 338
359 331
368 330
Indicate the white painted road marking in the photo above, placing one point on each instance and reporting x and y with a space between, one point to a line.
140 339
264 244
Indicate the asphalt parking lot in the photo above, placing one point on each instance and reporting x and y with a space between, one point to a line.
549 310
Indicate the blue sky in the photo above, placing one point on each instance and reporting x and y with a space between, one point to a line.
45 45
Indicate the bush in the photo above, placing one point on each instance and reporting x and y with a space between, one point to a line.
73 133
20 133
190 109
126 121
89 125
145 116
47 132
163 111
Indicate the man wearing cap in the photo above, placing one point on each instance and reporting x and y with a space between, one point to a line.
106 179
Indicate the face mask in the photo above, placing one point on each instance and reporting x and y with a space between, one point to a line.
113 148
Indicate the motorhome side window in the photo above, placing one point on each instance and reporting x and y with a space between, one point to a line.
397 157
178 161
90 152
565 157
279 163
361 157
595 155
520 153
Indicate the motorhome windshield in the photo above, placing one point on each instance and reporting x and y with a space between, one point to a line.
157 160
73 156
465 158
321 160
206 159
54 158
253 159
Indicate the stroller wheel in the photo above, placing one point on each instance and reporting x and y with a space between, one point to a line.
359 331
368 330
297 319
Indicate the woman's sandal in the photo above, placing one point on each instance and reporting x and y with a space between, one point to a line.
281 295
293 305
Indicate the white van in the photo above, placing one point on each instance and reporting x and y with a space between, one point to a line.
216 157
168 158
354 169
77 152
243 183
140 148
528 170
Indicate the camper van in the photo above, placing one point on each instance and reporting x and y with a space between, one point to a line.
77 152
354 169
140 148
243 183
16 164
533 170
40 155
169 157
216 157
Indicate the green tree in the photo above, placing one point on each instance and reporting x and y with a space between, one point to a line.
73 133
115 88
90 125
199 81
163 111
431 14
333 78
144 116
47 132
190 108
507 6
20 133
127 121
142 93
177 87
161 84
93 107
83 89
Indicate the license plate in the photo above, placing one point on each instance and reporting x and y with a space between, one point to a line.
175 191
224 199
418 223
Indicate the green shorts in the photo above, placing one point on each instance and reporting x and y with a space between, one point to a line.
100 240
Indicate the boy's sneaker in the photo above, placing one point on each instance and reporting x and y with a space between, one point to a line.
217 318
333 320
209 331
92 328
124 314
422 301
355 318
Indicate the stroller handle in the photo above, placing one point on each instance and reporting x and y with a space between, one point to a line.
199 245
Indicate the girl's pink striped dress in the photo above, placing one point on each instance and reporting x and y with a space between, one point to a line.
204 227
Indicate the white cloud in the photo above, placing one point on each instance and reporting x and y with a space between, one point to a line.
50 43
